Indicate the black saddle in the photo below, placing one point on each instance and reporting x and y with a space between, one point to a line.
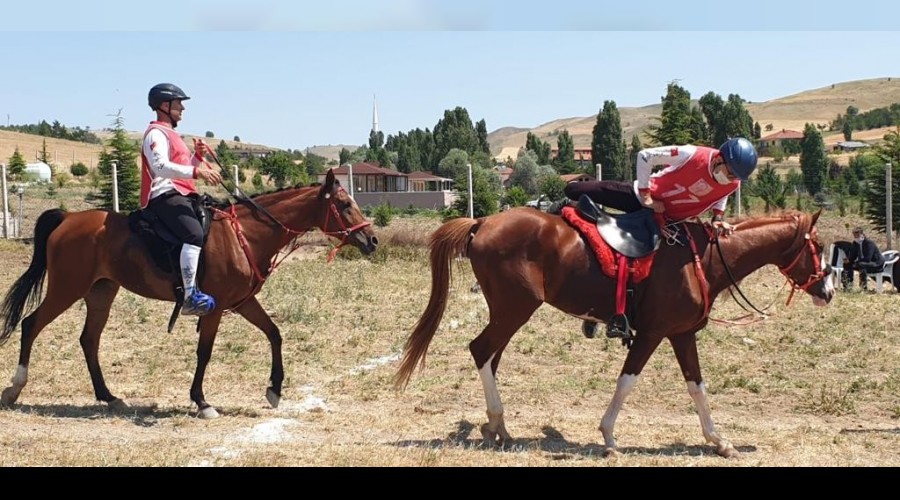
162 243
633 234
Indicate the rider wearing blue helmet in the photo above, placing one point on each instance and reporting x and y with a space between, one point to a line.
691 180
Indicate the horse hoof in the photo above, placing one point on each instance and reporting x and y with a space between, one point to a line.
273 398
728 452
9 396
489 437
610 453
589 328
118 405
208 413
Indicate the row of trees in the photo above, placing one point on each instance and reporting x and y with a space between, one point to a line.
56 131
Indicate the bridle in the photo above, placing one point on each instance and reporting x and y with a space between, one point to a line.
811 280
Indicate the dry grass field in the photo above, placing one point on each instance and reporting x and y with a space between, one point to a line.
807 387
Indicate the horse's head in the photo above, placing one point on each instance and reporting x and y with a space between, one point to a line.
807 270
342 217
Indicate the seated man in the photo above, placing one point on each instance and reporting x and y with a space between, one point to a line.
863 256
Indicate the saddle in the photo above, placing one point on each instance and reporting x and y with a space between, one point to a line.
632 240
165 248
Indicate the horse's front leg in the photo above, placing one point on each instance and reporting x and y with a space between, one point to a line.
209 326
638 354
253 312
685 346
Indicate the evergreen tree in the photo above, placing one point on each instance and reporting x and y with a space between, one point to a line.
540 148
812 159
607 147
633 151
769 186
344 156
874 190
124 152
847 130
675 123
16 167
481 134
454 131
565 156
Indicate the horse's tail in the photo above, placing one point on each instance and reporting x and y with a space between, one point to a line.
447 242
26 291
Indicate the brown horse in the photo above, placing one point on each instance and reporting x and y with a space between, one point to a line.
91 254
524 257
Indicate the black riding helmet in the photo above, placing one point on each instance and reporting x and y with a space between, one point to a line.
164 92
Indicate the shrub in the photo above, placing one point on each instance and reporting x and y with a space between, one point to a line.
78 169
383 215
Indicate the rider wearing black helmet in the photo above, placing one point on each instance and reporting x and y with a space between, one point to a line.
168 170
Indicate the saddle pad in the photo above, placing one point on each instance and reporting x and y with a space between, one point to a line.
605 255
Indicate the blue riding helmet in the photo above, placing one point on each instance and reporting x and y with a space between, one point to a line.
740 156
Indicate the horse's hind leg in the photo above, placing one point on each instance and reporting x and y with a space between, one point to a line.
505 320
55 303
685 346
209 327
99 301
253 312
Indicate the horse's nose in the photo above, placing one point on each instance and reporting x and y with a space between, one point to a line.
373 242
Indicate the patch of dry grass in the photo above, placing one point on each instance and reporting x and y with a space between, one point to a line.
806 387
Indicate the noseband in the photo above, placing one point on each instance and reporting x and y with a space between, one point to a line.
344 232
813 278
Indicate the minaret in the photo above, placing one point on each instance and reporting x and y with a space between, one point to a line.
374 114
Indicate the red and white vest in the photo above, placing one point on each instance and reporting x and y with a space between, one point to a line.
178 153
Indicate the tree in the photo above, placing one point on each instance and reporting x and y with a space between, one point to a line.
485 186
633 151
453 131
847 130
237 139
540 148
675 123
769 186
122 151
454 164
607 147
525 175
209 134
515 196
16 167
874 189
481 134
812 159
565 156
282 170
344 156
553 187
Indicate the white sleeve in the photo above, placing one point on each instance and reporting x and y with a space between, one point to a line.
156 150
673 157
719 206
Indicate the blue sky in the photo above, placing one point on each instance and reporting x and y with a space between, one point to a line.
292 76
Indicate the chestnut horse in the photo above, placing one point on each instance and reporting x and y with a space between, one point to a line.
91 254
524 257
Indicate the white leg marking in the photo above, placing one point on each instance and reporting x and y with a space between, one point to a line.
698 394
491 394
607 425
20 378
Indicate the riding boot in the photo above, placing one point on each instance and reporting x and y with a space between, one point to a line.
556 207
196 303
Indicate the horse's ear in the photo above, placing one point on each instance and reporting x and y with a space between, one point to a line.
328 185
815 217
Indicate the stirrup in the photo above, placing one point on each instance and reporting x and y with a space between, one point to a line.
198 304
589 328
618 328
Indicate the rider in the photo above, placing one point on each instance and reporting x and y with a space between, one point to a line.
168 170
693 180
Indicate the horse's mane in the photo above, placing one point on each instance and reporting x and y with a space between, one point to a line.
778 216
222 204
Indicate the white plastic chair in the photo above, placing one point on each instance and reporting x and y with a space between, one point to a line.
890 258
838 267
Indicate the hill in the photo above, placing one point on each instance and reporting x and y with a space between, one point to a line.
65 153
818 106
